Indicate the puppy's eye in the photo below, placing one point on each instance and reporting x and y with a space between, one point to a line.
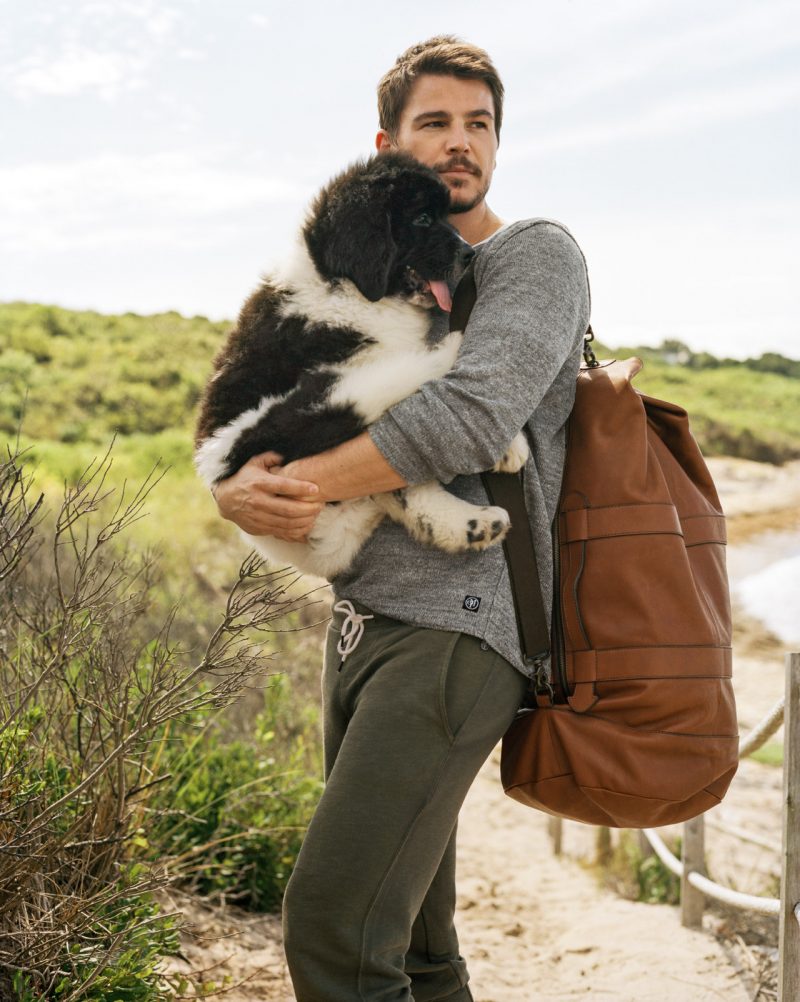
424 219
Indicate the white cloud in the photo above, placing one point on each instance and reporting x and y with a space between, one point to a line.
720 281
160 21
157 19
162 197
686 112
712 39
74 70
93 46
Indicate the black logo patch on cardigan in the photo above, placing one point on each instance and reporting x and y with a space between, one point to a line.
471 603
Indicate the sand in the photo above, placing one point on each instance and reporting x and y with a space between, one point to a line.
536 926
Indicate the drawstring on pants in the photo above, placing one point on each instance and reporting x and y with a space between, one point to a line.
352 628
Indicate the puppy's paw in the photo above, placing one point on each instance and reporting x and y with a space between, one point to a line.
486 527
515 457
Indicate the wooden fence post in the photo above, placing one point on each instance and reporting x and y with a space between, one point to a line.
693 853
602 845
789 937
556 828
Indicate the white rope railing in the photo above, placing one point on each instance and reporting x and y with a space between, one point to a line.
762 731
758 736
751 902
659 847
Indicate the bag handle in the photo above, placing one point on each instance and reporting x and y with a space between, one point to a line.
505 490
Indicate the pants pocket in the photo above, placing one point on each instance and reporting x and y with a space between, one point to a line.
462 677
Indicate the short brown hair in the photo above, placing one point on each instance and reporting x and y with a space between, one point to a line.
442 55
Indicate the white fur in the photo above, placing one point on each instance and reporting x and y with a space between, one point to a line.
449 520
339 533
515 456
392 322
380 374
379 377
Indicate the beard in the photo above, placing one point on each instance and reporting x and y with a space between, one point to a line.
463 203
459 205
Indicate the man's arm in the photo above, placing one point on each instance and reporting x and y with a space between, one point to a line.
532 311
527 324
350 470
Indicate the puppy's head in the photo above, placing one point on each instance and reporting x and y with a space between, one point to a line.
382 224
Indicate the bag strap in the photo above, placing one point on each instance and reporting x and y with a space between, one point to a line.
505 490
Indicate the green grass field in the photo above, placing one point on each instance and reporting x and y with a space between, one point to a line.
81 377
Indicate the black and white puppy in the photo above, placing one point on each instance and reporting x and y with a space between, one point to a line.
333 339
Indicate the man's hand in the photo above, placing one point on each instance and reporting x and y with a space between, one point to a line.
264 503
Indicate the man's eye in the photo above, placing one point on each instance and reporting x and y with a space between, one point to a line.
423 220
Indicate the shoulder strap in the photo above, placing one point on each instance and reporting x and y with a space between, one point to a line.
505 490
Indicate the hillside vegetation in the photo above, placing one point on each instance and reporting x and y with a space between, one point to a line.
749 408
81 377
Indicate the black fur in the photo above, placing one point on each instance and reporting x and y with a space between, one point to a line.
363 226
267 357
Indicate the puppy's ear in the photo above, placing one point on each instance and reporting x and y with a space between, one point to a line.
359 246
348 229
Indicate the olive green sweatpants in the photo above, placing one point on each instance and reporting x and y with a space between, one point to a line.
409 717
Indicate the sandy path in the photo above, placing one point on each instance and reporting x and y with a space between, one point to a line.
534 926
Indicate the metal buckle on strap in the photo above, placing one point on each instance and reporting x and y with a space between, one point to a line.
542 687
588 355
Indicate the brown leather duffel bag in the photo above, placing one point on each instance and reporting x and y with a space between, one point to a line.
636 725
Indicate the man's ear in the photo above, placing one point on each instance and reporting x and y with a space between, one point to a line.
383 142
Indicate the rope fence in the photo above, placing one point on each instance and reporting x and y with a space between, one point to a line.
696 886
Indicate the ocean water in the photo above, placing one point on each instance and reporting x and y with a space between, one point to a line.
765 577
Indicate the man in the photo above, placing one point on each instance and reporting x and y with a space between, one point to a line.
423 671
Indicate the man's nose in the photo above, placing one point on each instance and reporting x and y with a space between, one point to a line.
458 140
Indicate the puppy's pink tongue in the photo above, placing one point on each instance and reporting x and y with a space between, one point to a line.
442 293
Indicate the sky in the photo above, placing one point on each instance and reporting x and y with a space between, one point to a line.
160 155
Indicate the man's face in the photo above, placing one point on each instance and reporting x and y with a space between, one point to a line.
448 124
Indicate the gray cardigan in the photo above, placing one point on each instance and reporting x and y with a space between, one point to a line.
517 366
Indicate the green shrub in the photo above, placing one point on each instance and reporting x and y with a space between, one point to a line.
117 958
235 811
640 876
770 753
